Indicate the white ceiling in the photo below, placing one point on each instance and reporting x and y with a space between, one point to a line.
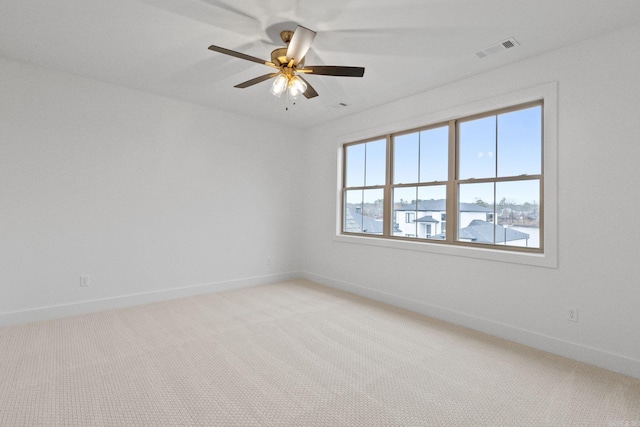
406 46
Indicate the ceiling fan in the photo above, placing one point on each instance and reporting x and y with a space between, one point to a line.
289 61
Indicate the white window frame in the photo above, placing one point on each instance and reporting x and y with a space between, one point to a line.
548 93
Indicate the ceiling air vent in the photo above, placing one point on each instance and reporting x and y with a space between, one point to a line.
498 47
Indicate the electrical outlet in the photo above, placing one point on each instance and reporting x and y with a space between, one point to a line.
572 314
84 280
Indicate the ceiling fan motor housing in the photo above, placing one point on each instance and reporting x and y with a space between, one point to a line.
279 57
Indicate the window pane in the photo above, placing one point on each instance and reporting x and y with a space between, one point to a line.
518 213
355 165
405 158
352 211
431 214
520 142
434 157
477 148
363 211
372 211
476 215
376 153
404 211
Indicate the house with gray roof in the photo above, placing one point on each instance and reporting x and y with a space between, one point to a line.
431 223
479 231
356 222
427 219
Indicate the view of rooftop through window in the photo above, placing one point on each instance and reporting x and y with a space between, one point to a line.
490 165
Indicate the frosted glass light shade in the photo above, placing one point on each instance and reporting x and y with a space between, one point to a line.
296 87
279 85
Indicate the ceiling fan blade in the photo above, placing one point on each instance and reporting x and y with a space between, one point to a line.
310 92
256 80
241 55
300 44
332 70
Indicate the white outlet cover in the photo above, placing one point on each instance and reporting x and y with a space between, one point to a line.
84 280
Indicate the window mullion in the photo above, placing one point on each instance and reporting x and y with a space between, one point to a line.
494 183
452 192
387 207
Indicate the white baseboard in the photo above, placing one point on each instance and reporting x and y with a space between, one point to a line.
593 356
83 307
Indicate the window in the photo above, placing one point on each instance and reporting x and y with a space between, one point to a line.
483 172
364 177
420 165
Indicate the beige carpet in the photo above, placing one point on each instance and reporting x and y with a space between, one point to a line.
292 354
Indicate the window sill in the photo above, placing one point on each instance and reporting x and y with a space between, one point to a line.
548 260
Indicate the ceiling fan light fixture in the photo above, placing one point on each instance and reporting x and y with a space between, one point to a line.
280 85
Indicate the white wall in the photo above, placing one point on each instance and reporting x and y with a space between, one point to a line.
151 197
598 268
